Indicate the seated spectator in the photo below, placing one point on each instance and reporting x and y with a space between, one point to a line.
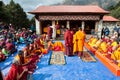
34 36
21 39
2 56
29 38
107 31
2 42
5 51
10 47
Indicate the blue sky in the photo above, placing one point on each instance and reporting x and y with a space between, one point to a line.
29 5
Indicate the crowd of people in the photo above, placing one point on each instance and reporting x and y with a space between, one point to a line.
106 32
26 59
74 42
25 62
9 38
107 46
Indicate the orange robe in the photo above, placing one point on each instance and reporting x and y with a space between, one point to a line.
78 41
93 42
96 45
103 47
75 44
114 44
90 40
116 54
58 46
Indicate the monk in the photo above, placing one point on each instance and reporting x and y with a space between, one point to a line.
114 43
44 37
58 46
30 64
49 32
78 41
116 56
39 43
68 37
29 56
90 40
103 47
96 45
110 50
16 72
49 45
93 42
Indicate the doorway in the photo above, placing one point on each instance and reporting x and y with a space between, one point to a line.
89 27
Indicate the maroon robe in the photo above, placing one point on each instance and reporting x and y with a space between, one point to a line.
14 70
49 32
12 74
10 47
68 37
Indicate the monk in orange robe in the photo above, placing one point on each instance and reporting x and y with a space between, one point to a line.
114 43
93 42
30 59
58 46
103 47
96 45
116 56
29 62
78 41
90 40
68 37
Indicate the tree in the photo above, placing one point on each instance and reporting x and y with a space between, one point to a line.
115 10
18 17
3 12
32 21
